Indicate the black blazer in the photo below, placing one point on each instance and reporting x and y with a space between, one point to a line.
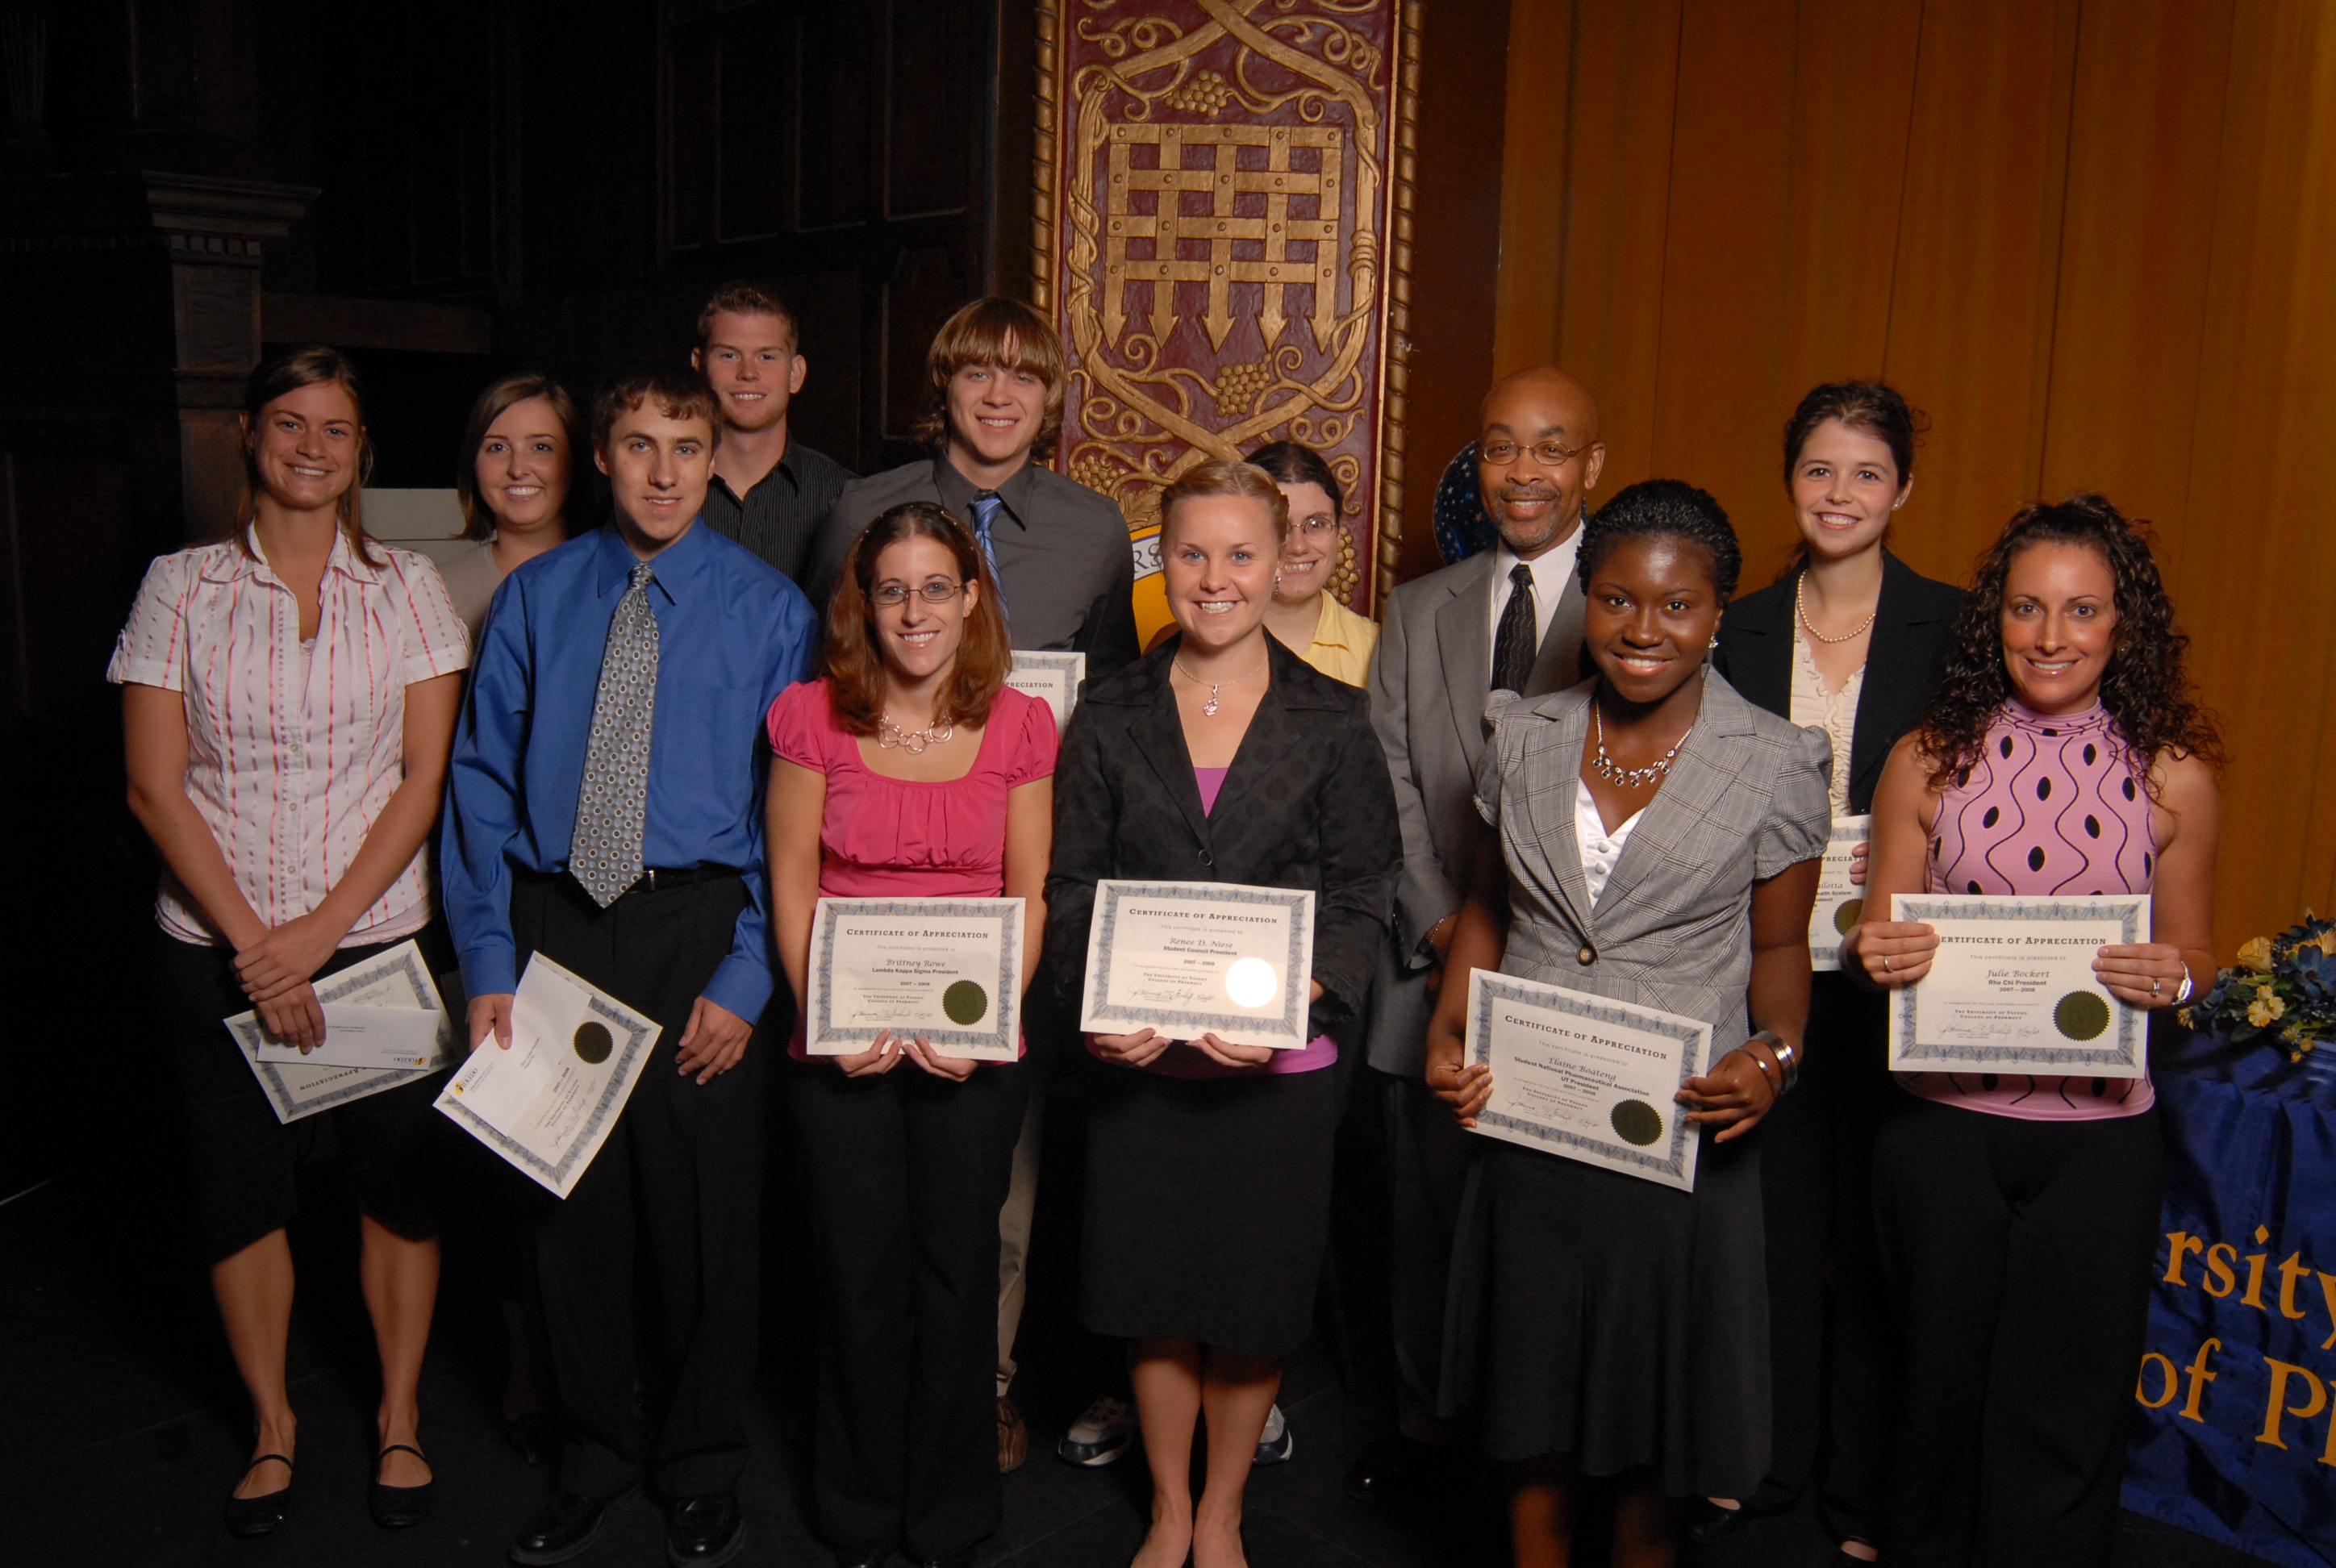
1307 804
1755 652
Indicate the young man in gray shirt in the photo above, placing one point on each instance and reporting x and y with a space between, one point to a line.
769 491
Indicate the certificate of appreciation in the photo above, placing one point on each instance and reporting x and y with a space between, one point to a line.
2012 988
546 1104
1052 677
948 970
1192 959
1587 1078
384 1026
1841 903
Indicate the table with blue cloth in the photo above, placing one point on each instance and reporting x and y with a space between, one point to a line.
2234 1430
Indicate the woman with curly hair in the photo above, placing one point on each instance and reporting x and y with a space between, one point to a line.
2062 754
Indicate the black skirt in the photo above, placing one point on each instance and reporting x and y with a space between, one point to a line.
1616 1319
1208 1206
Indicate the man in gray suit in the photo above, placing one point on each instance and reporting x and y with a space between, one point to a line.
1509 618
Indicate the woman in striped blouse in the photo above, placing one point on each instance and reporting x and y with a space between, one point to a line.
289 699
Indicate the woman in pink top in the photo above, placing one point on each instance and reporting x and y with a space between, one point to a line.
289 697
2062 755
912 770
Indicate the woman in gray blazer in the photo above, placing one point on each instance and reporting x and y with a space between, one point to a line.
1659 841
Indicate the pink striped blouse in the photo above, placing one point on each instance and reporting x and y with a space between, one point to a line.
292 754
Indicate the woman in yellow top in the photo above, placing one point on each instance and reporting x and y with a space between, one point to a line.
1306 620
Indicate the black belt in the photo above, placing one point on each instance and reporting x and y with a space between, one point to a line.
654 879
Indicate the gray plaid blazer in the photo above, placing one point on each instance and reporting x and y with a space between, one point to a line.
1673 929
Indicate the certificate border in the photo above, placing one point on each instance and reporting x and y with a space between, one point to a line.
1111 891
1684 1133
291 1108
618 1087
2131 1049
1061 661
1007 1033
356 977
1845 830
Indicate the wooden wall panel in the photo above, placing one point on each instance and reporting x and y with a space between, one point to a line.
2094 242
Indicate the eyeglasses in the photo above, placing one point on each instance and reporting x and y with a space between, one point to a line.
938 590
1316 528
1549 454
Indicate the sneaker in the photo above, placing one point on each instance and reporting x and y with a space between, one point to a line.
1100 1436
1274 1445
1013 1437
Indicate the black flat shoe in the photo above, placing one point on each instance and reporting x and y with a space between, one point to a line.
706 1531
1708 1524
263 1515
396 1507
563 1526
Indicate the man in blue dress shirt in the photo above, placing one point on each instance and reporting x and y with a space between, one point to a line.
604 809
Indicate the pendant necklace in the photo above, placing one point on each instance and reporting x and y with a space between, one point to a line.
1802 609
892 737
1209 709
1631 778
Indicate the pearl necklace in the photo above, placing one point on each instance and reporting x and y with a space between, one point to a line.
1802 609
1209 709
1631 778
892 737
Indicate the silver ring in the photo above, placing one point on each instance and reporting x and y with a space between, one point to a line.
1886 965
2155 986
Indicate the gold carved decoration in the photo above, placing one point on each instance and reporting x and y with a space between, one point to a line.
1218 234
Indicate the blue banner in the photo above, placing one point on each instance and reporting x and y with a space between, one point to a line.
2236 1431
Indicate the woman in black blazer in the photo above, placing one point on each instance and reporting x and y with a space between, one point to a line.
1850 639
1219 756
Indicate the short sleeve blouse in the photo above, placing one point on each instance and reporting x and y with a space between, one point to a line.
291 756
884 837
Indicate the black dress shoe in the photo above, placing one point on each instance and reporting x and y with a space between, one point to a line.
1708 1524
263 1515
1395 1467
396 1507
562 1527
704 1531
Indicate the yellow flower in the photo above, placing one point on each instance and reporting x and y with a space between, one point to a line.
2264 1008
2325 941
2257 955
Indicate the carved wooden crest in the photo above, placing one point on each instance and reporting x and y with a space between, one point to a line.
1223 236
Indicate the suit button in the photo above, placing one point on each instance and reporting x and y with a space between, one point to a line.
1586 956
1205 859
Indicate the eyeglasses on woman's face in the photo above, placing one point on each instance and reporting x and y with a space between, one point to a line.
932 591
1320 529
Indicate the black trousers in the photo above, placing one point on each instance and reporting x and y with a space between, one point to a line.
245 1162
1830 1375
907 1174
2019 1256
681 1172
1428 1156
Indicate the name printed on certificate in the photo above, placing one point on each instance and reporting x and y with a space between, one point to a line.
2012 988
1192 959
1053 677
1841 903
1587 1078
947 970
547 1103
384 1025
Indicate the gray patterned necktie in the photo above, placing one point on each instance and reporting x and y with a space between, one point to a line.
604 853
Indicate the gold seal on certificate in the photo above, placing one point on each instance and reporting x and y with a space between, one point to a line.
1841 903
547 1103
948 970
1193 958
2012 988
1051 675
1586 1077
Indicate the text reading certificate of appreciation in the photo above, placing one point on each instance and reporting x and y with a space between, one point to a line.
1586 1077
1841 903
546 1104
947 970
1193 958
2012 988
1051 675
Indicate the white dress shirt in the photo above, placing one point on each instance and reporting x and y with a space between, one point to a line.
293 749
1600 850
1552 568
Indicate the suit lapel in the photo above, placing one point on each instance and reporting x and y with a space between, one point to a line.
1894 685
1464 650
1550 798
1558 663
1700 776
1760 664
1159 737
1267 739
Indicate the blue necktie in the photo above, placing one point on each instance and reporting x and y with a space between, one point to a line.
986 508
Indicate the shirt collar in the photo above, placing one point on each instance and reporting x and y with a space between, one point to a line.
236 561
1551 568
1330 626
673 570
957 491
784 466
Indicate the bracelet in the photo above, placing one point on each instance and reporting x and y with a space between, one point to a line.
2183 995
1754 1057
1788 1055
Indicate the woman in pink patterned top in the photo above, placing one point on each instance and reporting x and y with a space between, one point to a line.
2062 755
910 771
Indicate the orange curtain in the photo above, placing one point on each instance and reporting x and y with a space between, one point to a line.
2097 243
